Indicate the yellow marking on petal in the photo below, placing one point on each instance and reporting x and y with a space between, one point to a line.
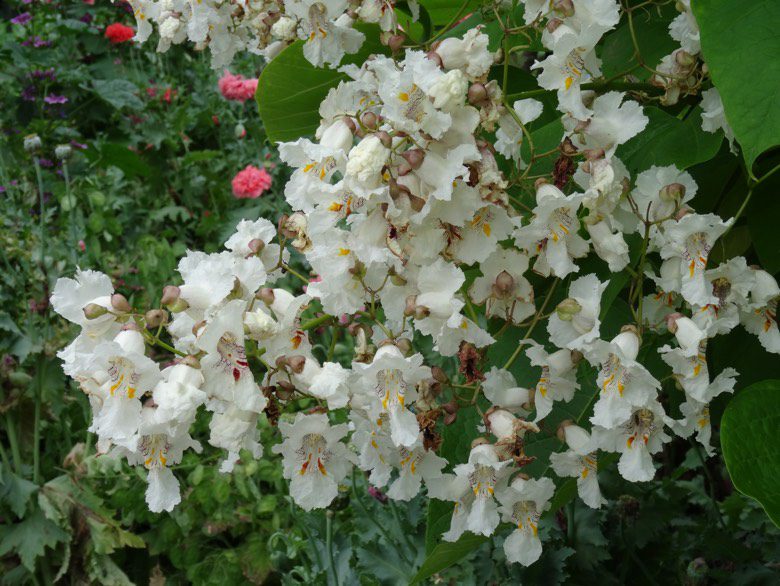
321 466
607 382
322 173
630 441
486 229
703 422
535 529
403 96
696 370
130 392
335 207
565 230
555 237
413 467
464 325
308 167
163 460
344 251
305 466
115 386
374 444
621 388
691 268
568 82
148 461
585 472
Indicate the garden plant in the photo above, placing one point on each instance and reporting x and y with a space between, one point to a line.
373 292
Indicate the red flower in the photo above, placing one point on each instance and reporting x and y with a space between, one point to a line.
251 182
236 87
119 33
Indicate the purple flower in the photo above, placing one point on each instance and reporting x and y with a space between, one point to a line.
44 74
28 93
77 145
52 99
2 188
46 163
22 19
87 18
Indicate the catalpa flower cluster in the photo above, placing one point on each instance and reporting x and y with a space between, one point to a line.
413 211
263 27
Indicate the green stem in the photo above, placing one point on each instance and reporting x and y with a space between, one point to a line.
451 23
329 544
37 422
531 327
10 429
72 204
397 518
316 322
595 85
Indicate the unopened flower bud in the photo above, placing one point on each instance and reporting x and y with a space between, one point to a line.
404 345
414 157
501 423
266 295
553 24
239 131
32 143
384 138
155 318
120 303
576 357
434 56
594 154
369 120
477 94
350 122
672 192
397 280
178 306
94 311
504 285
682 212
567 309
395 42
296 363
256 245
170 294
439 375
563 7
63 152
539 182
560 432
684 59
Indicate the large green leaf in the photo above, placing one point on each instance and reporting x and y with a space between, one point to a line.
670 141
446 554
740 44
290 88
443 11
748 437
120 93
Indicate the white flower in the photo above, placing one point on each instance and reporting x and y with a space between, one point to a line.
482 476
500 388
178 396
326 29
610 123
713 116
609 245
580 461
552 234
661 191
449 90
509 136
157 451
522 503
314 459
624 383
392 379
636 439
688 242
470 54
684 28
415 466
575 322
557 381
130 375
225 367
502 286
480 235
234 430
332 384
760 316
366 160
731 283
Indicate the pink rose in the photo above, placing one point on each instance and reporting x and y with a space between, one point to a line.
250 182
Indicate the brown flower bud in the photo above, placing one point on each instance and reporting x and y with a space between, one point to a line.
437 372
266 295
369 120
120 303
504 285
256 245
154 318
395 42
296 363
410 305
477 94
384 138
421 312
414 157
190 361
170 294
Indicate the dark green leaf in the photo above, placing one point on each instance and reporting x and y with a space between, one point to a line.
445 554
740 44
290 89
16 491
670 141
749 440
30 538
120 93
